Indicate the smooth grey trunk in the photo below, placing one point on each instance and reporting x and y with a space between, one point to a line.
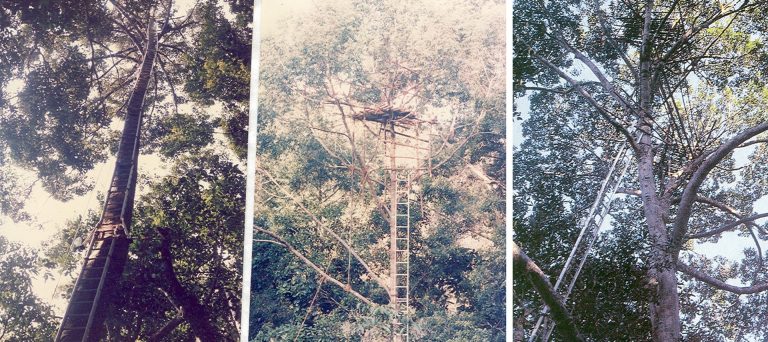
665 302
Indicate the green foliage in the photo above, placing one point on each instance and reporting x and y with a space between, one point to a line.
704 91
65 252
453 328
201 204
217 67
181 133
555 181
52 130
75 64
12 193
23 316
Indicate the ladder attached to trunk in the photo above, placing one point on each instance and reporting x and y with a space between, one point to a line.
590 229
108 246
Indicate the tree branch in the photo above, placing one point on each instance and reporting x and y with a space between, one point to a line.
726 227
728 209
298 254
599 74
684 211
602 111
687 36
338 238
193 312
719 284
166 329
752 142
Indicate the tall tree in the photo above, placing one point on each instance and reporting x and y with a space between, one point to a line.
59 122
678 81
100 62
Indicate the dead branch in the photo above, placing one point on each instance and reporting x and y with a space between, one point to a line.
317 221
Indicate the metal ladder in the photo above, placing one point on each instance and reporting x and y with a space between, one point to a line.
590 228
402 256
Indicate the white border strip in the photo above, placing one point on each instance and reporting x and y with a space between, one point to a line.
509 140
250 185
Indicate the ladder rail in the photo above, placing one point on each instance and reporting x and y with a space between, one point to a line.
97 296
404 169
401 193
592 239
592 210
78 282
587 223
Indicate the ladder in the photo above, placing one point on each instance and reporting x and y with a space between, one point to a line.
590 228
402 256
108 246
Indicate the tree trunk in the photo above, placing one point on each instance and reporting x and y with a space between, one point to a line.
192 311
664 305
665 302
662 278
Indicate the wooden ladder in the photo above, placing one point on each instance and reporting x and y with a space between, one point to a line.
108 247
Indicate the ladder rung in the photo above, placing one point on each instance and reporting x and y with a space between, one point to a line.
92 267
79 327
78 314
